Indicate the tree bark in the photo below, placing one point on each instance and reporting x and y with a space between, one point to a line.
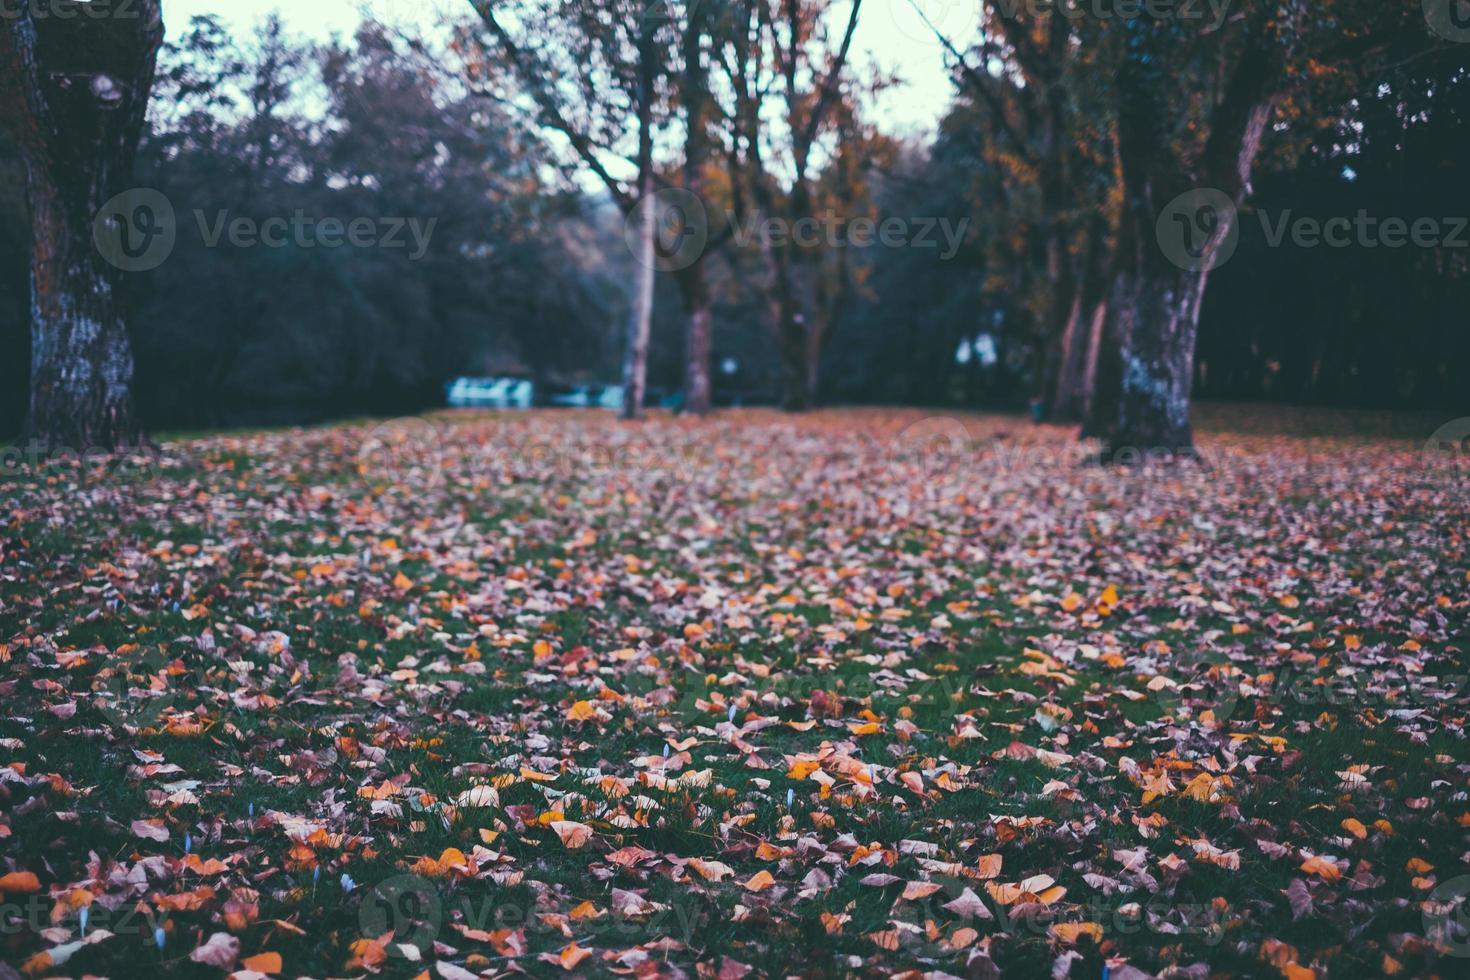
698 341
1142 404
74 91
796 373
640 319
699 331
1070 398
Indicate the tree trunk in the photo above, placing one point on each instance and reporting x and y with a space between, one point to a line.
796 372
81 360
74 92
1097 319
1142 404
1157 364
698 342
1061 295
1061 396
640 319
1079 340
699 331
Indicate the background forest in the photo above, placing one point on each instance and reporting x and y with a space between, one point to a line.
526 268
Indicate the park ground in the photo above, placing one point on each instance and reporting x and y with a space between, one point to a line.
854 693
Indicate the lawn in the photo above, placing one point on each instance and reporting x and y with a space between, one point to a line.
850 693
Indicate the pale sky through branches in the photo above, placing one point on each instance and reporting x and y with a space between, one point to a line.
890 35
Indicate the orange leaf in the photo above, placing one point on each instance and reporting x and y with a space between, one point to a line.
1318 865
263 963
759 881
20 883
572 955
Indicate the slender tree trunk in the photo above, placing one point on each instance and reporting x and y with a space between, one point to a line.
698 341
1097 319
77 122
1064 394
699 332
640 319
796 373
1061 293
1080 339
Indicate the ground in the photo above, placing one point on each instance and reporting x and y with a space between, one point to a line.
851 693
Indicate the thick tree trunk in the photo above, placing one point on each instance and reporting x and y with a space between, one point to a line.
1157 364
81 360
1144 382
74 91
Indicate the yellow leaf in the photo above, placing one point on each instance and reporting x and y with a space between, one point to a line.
581 711
802 768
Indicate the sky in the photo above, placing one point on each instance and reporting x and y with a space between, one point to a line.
890 35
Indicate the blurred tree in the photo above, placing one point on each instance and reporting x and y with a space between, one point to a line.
788 88
1187 154
1039 81
593 71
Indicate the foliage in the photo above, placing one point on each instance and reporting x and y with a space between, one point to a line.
847 694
